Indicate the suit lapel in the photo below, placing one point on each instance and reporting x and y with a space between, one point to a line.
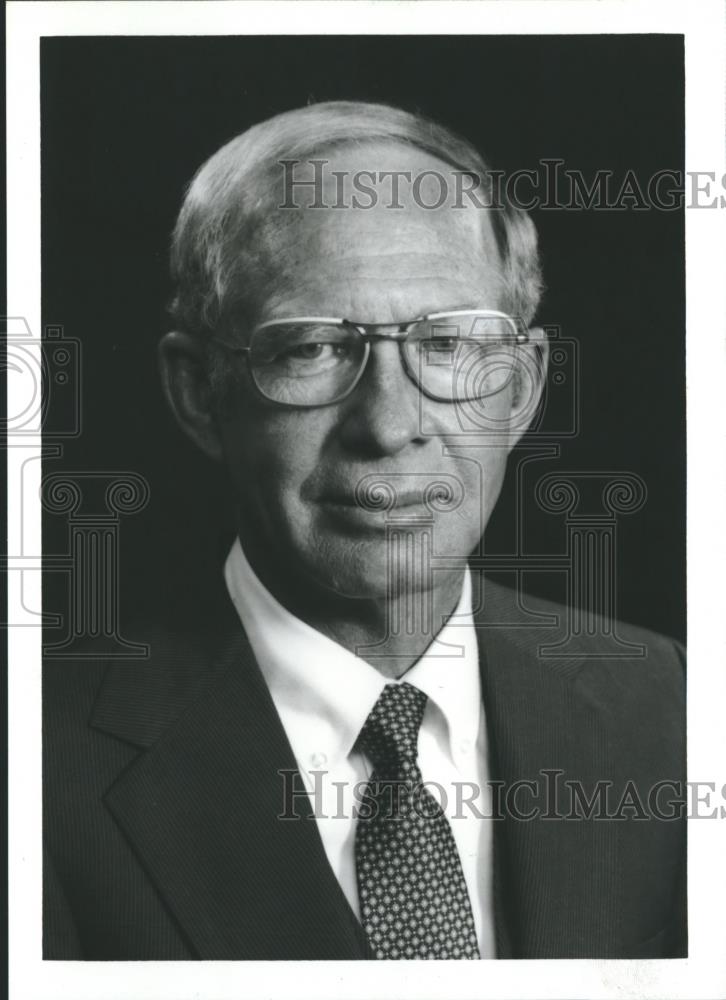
201 809
552 879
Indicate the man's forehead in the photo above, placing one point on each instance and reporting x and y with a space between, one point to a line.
351 242
380 184
366 240
363 268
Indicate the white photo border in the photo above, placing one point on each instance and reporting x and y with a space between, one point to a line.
703 974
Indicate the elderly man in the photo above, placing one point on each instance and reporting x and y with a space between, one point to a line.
362 755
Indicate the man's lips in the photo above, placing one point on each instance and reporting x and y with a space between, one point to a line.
374 493
370 501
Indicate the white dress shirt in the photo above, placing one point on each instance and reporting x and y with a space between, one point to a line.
323 694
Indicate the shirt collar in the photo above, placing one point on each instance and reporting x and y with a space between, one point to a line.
324 693
448 672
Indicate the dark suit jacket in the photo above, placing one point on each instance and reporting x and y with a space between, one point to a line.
162 797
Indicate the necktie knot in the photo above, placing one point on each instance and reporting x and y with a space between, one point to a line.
390 733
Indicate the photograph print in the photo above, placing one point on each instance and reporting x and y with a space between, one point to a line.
364 528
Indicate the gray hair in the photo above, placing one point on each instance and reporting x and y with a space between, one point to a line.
215 257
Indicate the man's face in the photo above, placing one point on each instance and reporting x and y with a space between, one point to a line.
295 471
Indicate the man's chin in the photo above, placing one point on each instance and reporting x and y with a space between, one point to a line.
375 569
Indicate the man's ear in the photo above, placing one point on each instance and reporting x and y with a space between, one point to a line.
529 383
182 363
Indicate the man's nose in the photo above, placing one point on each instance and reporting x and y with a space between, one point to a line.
382 416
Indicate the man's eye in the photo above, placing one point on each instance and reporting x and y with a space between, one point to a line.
315 351
311 356
447 344
308 352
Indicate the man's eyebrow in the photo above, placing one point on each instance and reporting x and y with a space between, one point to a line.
433 310
454 307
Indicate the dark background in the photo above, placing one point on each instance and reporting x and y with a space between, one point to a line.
127 121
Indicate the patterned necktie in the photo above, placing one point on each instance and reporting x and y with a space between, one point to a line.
413 896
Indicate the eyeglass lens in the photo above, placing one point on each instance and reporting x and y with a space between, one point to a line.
451 358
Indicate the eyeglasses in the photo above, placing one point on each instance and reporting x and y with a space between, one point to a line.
319 360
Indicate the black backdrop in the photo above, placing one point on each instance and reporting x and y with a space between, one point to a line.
127 121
